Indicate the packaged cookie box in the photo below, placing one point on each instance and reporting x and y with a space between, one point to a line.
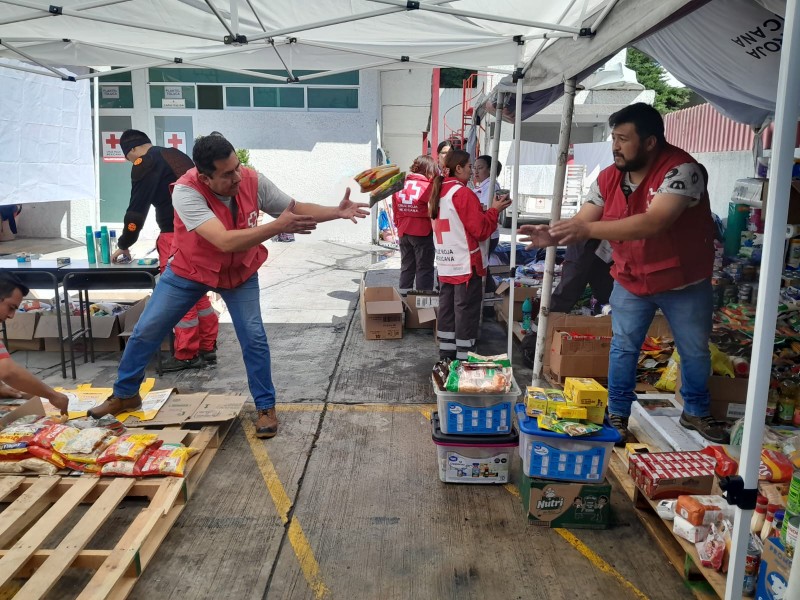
472 458
476 414
662 475
584 391
551 455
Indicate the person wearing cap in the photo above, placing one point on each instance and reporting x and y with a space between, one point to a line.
14 378
155 169
218 247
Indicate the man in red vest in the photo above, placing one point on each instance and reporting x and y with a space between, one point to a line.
653 206
217 247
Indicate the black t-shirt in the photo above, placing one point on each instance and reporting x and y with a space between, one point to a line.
151 177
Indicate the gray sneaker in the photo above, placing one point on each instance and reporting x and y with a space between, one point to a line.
711 429
620 423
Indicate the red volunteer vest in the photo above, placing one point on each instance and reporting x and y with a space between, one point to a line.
410 206
682 255
195 258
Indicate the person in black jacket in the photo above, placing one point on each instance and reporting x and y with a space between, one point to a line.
154 170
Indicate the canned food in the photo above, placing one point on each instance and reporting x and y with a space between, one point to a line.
789 533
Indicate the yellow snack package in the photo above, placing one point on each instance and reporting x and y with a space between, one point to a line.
128 447
168 459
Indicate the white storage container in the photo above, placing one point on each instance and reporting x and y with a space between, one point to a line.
472 458
476 414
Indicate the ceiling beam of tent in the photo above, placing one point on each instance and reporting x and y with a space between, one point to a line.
482 16
98 74
583 14
289 72
255 14
29 70
541 47
787 98
375 65
41 13
82 15
238 71
336 21
234 12
403 59
555 215
29 58
602 17
219 17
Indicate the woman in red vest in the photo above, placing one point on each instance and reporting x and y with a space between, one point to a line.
461 230
410 209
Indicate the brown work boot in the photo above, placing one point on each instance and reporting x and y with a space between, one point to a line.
711 429
114 406
267 423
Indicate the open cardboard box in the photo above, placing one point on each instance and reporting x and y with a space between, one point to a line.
728 396
421 310
382 312
21 330
520 294
585 358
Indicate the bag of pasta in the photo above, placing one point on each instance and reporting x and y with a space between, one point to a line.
168 459
128 447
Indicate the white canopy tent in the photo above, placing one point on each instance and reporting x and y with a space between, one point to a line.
548 43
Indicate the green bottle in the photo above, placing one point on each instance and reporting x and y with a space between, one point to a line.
90 245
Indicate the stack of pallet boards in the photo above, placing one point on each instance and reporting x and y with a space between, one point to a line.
473 429
565 447
91 534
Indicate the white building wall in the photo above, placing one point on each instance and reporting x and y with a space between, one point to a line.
405 113
724 168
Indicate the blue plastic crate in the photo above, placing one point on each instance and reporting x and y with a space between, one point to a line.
476 414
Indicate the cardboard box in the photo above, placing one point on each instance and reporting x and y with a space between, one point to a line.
751 190
31 407
671 474
421 310
21 330
773 575
194 410
728 396
382 312
567 505
520 294
584 358
47 331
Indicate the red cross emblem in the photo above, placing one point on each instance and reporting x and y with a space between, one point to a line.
112 141
440 226
175 141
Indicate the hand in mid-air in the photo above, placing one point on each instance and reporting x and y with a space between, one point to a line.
537 236
352 210
290 222
570 231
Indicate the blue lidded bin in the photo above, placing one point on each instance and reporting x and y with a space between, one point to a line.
551 455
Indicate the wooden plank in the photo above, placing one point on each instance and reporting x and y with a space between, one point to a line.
47 576
86 559
26 508
15 559
127 549
9 484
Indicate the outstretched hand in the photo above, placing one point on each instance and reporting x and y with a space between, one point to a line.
570 231
290 222
537 236
352 210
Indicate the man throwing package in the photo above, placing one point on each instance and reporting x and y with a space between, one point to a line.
653 206
217 247
154 171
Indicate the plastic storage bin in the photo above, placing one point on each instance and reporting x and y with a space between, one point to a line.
473 459
476 414
550 455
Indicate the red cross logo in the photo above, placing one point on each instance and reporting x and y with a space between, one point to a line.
440 226
112 141
175 141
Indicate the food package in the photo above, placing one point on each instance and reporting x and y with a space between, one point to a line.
500 359
671 474
571 428
584 391
669 377
536 402
387 188
128 468
46 437
86 442
37 465
369 179
15 438
478 378
169 459
82 467
688 531
571 412
775 467
726 463
128 447
8 467
720 362
666 509
703 510
47 454
711 551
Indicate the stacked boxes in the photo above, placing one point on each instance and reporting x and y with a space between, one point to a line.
580 393
671 474
474 435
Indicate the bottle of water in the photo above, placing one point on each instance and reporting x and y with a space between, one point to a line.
527 310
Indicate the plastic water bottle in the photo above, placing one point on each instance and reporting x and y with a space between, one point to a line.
527 310
90 254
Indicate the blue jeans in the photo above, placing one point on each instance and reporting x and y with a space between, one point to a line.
173 296
689 312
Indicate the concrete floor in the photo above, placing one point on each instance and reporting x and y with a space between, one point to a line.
346 502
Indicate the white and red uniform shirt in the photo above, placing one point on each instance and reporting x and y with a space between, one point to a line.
410 206
460 233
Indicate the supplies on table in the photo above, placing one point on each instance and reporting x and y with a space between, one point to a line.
473 458
672 474
551 455
583 399
476 396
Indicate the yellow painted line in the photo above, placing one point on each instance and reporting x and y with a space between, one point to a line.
596 561
297 538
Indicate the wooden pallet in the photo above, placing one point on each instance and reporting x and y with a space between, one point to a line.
36 507
706 584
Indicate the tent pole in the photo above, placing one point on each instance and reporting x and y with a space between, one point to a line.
777 211
555 215
498 122
234 14
27 70
43 12
220 18
33 60
514 209
97 142
435 85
